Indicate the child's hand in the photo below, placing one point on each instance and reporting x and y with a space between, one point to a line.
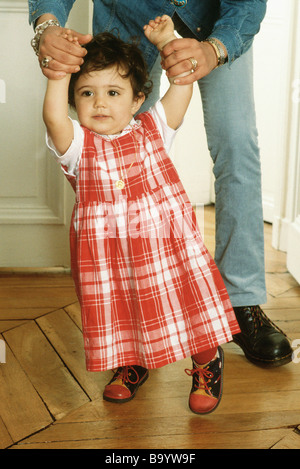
70 37
160 31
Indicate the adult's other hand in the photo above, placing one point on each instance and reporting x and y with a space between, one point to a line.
177 55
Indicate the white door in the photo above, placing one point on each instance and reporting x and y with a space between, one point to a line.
284 142
290 199
35 199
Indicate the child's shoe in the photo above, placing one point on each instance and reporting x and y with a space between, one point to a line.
125 383
207 385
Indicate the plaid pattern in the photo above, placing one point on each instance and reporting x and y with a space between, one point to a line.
150 293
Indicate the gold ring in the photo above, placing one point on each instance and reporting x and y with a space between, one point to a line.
194 64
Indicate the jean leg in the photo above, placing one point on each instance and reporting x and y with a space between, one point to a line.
230 122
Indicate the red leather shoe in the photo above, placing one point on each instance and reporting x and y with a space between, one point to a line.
125 383
207 385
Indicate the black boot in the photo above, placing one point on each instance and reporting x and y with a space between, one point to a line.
260 339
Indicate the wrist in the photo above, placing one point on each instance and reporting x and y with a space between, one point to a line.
160 45
40 29
219 50
43 18
176 80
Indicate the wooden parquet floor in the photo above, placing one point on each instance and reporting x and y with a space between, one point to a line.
49 401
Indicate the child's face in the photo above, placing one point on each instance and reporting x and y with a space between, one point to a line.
105 102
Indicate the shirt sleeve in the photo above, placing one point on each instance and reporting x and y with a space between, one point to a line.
159 116
59 8
69 160
237 25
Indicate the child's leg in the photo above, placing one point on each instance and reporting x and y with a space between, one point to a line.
205 357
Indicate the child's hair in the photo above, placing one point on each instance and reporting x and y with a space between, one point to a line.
106 50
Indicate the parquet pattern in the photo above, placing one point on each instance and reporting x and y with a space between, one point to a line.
49 401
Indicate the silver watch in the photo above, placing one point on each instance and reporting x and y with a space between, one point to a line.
35 42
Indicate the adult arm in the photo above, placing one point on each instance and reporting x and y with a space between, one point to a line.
235 29
60 9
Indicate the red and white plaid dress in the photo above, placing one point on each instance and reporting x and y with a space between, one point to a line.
150 293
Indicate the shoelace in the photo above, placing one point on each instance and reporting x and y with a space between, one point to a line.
202 374
258 315
124 374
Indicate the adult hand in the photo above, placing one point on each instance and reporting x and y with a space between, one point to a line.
176 55
65 56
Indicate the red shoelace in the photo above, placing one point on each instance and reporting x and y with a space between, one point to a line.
124 374
203 376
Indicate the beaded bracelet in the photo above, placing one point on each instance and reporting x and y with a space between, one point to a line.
35 42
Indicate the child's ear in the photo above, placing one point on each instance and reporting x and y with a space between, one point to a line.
137 102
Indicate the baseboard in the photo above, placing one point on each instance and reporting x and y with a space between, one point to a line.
34 271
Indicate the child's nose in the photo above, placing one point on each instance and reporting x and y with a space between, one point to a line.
100 101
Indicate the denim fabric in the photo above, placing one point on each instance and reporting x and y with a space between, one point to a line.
229 116
234 22
230 123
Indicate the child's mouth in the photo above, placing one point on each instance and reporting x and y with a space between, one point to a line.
100 117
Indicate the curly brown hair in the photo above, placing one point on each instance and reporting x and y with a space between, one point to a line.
106 50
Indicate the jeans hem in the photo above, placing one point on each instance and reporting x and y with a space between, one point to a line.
238 299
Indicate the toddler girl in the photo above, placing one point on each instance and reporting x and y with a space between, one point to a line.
149 291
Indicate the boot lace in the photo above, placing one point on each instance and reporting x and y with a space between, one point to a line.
259 318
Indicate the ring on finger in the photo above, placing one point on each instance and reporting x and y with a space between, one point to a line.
45 62
194 64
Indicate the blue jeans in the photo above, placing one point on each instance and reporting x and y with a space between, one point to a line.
230 123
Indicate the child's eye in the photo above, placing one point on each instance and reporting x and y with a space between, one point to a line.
87 93
113 93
